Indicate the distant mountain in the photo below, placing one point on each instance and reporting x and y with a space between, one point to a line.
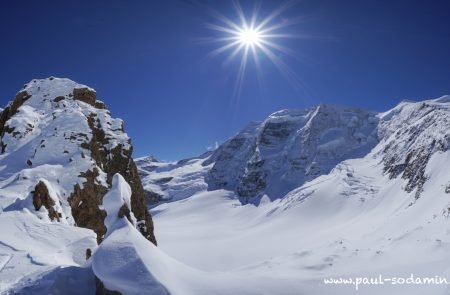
292 147
305 196
289 148
271 157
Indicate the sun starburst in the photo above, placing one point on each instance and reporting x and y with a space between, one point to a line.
253 37
250 37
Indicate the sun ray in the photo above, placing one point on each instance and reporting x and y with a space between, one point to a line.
240 77
234 54
274 14
284 69
221 29
280 48
240 13
255 14
225 48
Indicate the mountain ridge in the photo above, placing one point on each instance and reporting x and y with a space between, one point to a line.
239 164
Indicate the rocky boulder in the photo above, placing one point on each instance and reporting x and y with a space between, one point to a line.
41 197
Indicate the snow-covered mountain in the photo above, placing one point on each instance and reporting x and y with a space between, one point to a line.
289 148
412 133
292 147
172 181
376 203
60 148
271 157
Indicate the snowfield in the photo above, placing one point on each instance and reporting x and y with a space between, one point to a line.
39 257
352 223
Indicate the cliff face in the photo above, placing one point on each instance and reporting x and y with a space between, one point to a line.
289 148
412 133
60 149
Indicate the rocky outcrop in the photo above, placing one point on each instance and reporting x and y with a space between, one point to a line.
85 203
117 160
68 137
412 133
8 112
85 94
41 197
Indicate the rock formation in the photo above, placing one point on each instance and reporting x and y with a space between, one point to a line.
68 137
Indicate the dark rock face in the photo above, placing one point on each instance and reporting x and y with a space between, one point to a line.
8 112
88 253
85 204
118 160
413 141
230 159
251 183
273 133
41 198
85 95
153 197
124 211
101 290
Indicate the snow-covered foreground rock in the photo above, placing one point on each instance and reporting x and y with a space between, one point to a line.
60 148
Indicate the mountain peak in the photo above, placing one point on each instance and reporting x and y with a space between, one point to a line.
289 148
69 147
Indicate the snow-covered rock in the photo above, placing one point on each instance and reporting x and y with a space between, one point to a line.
117 203
411 133
60 148
57 134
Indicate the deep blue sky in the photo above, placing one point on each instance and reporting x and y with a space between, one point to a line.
145 60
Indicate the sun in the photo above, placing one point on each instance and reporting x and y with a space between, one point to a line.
254 37
250 37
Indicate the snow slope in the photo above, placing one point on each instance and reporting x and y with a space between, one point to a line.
353 222
39 257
